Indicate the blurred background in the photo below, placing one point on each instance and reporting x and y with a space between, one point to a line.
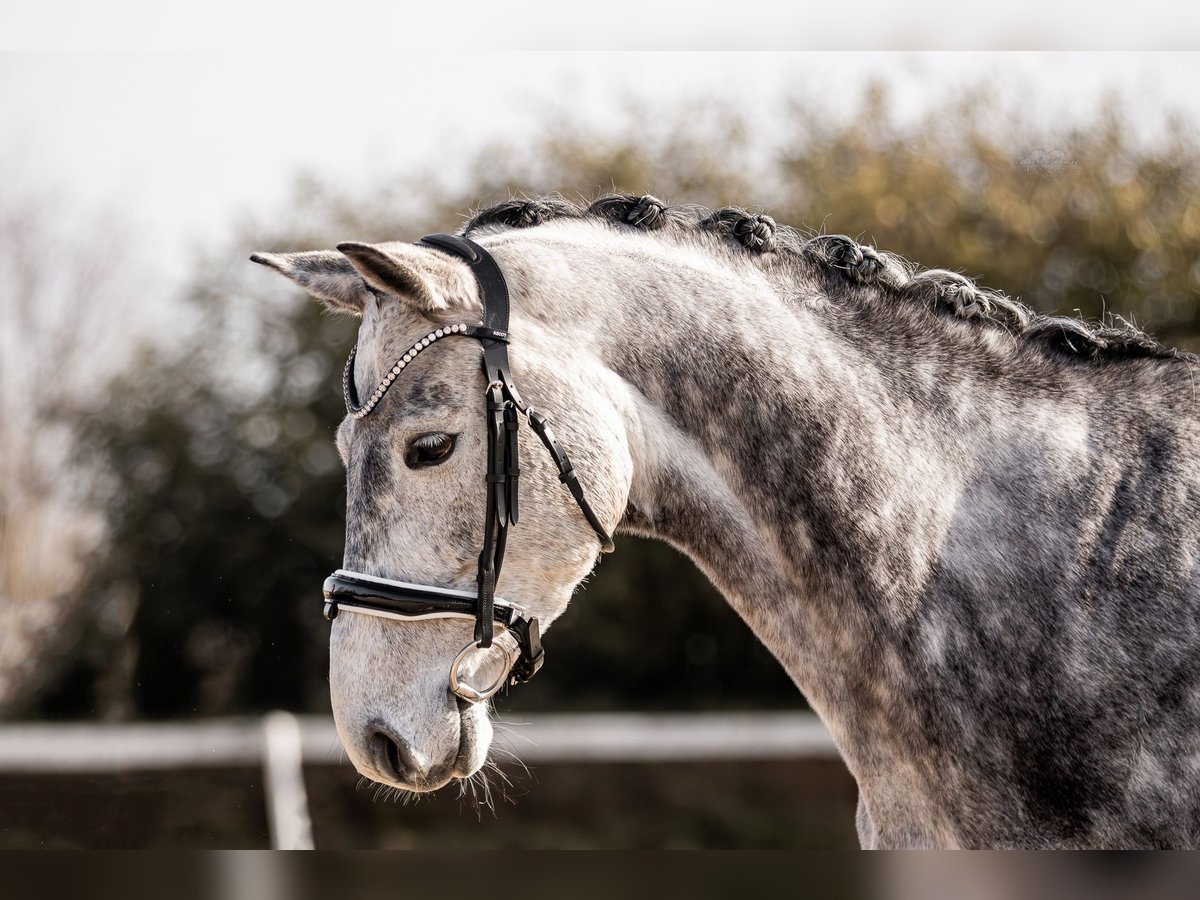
170 499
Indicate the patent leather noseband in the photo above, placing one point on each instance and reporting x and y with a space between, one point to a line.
503 409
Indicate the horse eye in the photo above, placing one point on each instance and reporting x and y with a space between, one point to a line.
429 450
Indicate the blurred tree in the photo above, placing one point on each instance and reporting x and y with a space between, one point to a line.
1087 220
64 299
227 495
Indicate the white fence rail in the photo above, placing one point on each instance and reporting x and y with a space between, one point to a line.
283 744
589 737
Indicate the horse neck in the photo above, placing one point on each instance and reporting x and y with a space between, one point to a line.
788 443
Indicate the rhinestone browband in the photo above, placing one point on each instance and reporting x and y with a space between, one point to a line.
357 412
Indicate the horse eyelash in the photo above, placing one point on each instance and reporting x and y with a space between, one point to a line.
430 441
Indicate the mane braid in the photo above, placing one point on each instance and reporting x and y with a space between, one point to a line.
942 291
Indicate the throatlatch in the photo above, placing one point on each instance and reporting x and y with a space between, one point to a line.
503 409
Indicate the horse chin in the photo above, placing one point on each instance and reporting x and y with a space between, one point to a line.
434 783
475 739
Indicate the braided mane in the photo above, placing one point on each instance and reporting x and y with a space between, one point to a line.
943 291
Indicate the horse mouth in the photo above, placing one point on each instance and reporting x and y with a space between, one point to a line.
463 766
441 777
432 781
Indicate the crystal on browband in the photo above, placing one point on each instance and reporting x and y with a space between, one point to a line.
358 411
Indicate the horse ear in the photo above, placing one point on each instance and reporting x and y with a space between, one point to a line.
427 280
325 274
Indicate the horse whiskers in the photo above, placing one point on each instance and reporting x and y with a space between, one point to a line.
473 781
506 733
478 784
336 749
508 738
388 793
508 784
511 757
495 767
502 746
487 790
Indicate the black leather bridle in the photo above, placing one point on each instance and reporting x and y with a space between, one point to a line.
359 592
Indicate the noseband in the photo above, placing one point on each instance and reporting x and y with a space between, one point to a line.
504 408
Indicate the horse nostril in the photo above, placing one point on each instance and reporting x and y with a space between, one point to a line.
393 757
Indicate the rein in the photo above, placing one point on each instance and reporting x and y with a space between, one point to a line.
504 408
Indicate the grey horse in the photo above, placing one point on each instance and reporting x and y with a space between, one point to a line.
969 532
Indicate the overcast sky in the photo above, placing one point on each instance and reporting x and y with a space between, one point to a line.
184 143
